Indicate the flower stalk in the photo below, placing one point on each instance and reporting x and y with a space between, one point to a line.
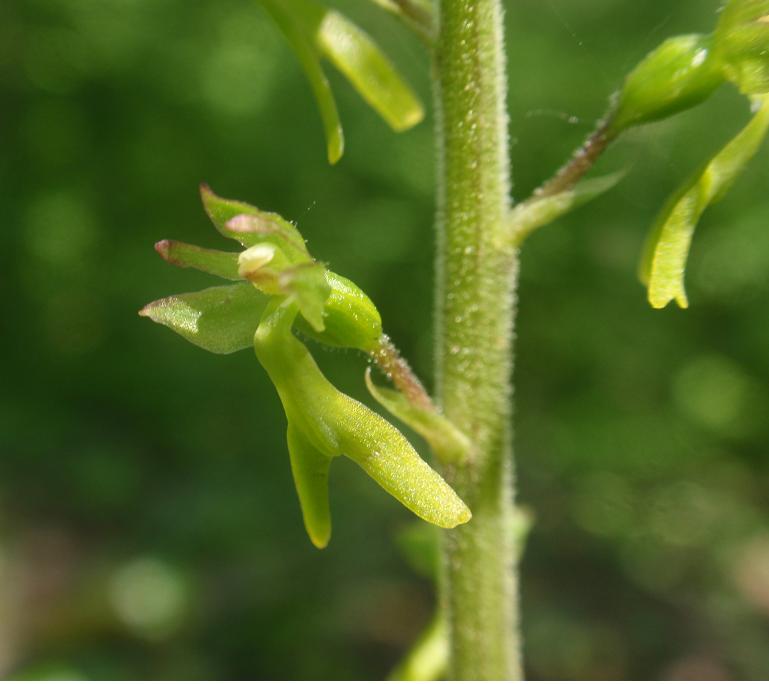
475 303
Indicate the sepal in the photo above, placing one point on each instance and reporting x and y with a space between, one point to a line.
221 319
250 226
211 261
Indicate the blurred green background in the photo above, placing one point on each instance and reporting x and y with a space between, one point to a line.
148 524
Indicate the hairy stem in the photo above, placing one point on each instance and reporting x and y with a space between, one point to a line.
475 297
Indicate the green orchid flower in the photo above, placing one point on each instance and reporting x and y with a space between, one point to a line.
282 289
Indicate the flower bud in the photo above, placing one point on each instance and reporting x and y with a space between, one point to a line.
678 75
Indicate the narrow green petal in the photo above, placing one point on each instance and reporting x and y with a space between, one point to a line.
667 249
448 443
212 261
310 470
221 320
368 69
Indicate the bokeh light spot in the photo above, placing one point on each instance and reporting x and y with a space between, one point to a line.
714 392
603 504
60 228
751 572
148 596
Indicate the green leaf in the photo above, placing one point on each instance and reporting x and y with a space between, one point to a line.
448 443
742 44
681 73
250 226
212 261
335 424
526 217
664 258
221 320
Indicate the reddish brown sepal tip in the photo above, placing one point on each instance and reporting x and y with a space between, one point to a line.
163 248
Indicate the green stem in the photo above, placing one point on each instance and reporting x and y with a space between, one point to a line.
476 281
